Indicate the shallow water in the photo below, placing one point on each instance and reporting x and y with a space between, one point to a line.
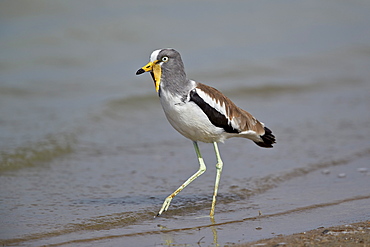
87 156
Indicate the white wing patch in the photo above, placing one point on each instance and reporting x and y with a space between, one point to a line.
250 134
219 106
236 121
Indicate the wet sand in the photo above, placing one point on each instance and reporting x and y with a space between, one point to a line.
349 235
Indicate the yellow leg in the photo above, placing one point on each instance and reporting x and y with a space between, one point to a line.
218 176
202 169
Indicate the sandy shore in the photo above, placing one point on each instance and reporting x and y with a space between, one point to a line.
357 234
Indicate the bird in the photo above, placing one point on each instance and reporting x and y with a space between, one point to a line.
200 113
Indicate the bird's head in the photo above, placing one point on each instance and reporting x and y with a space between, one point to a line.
163 62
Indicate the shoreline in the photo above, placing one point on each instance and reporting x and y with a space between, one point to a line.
350 235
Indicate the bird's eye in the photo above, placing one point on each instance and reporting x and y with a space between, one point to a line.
164 59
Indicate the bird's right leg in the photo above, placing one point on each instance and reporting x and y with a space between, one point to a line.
201 170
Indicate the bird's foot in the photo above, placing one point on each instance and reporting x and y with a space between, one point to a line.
165 205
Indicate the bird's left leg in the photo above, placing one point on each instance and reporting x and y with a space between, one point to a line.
219 166
202 169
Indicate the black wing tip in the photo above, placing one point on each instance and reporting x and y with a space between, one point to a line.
268 139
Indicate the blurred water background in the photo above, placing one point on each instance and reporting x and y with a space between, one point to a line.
87 156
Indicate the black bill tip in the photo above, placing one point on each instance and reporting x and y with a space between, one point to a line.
140 71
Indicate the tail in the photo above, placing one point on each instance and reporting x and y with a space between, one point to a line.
267 139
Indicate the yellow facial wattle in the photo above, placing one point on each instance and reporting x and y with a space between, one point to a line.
157 71
154 67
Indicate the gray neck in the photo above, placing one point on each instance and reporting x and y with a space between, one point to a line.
175 81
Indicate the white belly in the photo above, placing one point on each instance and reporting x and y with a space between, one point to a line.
188 119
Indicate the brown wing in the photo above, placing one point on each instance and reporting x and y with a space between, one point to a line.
222 110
